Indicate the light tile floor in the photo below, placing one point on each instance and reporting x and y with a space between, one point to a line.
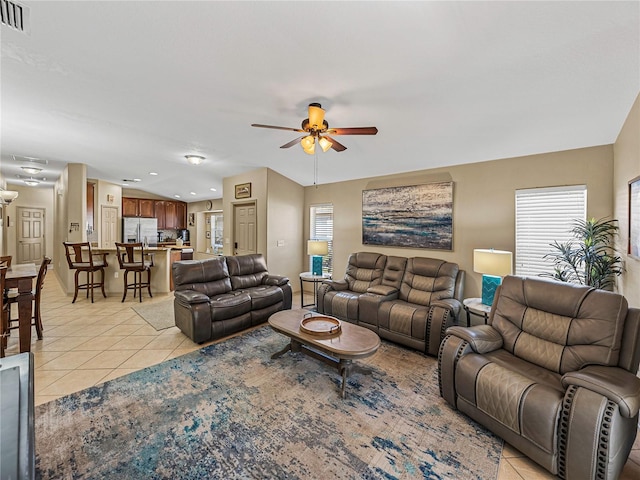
87 344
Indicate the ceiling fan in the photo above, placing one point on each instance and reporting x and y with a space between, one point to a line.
316 128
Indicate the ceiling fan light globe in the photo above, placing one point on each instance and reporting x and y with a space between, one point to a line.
308 144
324 143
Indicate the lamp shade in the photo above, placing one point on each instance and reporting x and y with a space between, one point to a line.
492 262
316 116
317 247
7 196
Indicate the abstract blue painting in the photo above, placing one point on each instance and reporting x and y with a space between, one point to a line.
418 216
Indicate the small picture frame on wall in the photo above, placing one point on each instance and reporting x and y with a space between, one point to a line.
243 190
192 219
634 218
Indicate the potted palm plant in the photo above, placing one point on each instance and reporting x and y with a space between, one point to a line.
589 258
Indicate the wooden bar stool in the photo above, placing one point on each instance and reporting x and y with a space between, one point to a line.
81 259
133 258
4 317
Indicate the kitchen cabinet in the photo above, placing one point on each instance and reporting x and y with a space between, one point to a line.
182 215
171 215
138 207
160 206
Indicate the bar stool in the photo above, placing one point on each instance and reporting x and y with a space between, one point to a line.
138 264
81 259
4 318
36 318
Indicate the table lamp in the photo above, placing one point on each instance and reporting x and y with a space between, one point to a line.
317 248
493 264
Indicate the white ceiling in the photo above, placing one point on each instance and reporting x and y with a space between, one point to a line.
131 87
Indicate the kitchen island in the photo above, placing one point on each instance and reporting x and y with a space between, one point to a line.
163 258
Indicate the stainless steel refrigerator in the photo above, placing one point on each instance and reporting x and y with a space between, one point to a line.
143 230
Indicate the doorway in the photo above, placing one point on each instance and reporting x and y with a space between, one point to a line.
244 229
109 226
30 232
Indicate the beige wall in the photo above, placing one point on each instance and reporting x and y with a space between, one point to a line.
484 202
626 153
279 204
284 227
197 231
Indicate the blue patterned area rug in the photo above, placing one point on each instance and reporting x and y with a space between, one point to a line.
228 411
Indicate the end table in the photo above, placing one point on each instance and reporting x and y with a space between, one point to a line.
316 279
476 307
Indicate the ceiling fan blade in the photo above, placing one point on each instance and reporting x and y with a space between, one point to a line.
337 146
277 128
292 143
353 131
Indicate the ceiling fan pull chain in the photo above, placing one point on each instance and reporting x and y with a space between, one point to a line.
315 168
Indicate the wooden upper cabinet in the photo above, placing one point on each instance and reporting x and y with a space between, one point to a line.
171 215
160 207
129 207
146 208
182 215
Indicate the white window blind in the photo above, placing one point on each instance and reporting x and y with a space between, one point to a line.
321 220
545 215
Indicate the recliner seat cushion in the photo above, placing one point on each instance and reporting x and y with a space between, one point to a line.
229 305
264 296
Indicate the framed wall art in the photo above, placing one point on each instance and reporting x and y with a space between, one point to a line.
634 218
416 216
243 190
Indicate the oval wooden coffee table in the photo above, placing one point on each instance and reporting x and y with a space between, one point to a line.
339 350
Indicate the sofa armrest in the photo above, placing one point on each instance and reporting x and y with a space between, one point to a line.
451 303
481 338
336 284
190 296
275 280
384 290
617 384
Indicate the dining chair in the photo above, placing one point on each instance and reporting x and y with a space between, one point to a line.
132 257
36 317
5 260
81 259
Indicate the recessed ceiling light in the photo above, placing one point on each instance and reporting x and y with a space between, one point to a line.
153 173
125 184
194 159
193 193
137 180
177 196
213 189
32 182
32 170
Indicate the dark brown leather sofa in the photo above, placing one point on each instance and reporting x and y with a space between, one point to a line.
553 373
223 295
410 301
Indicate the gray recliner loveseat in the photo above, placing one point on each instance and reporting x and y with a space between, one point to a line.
223 295
410 301
553 373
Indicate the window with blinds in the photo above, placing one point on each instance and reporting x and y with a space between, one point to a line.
321 222
545 215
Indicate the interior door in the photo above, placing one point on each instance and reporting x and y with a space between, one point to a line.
109 226
30 241
245 232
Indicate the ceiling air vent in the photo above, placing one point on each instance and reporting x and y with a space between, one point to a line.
15 16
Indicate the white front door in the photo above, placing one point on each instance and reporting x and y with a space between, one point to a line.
30 241
109 226
245 231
